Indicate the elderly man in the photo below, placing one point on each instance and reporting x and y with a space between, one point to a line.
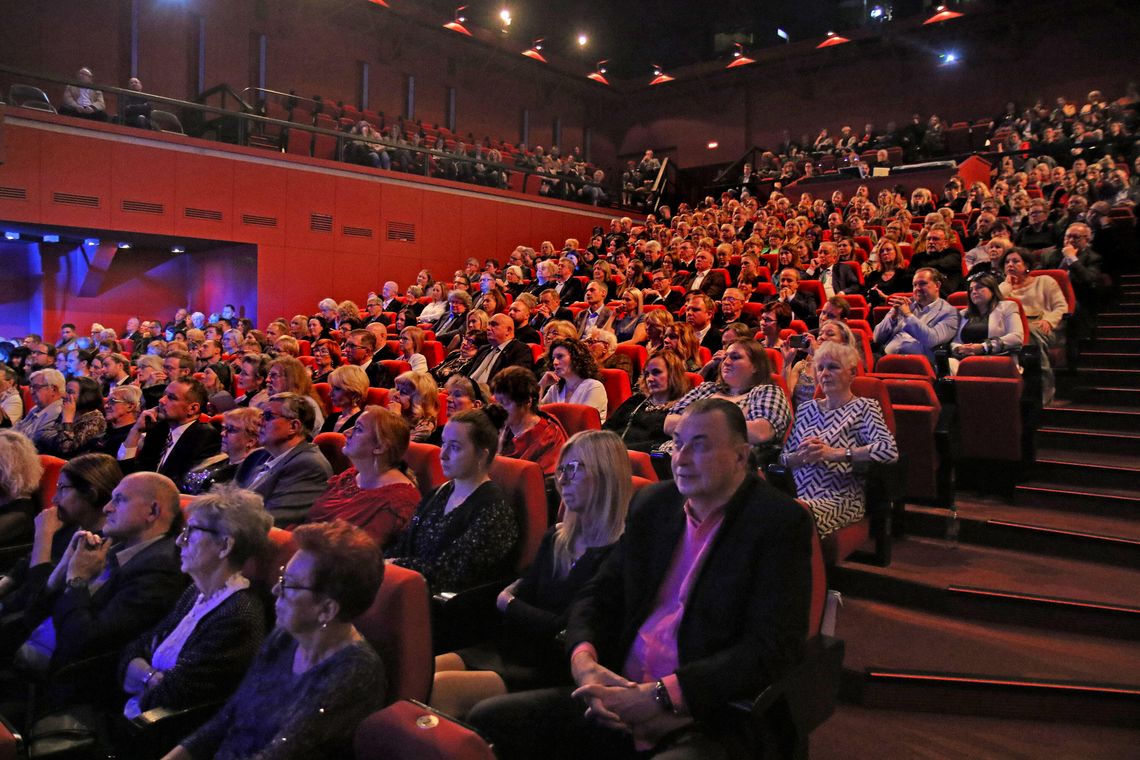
939 256
801 303
169 439
383 352
359 348
920 324
107 589
82 100
703 603
603 346
549 309
732 309
389 296
289 472
569 288
704 278
47 386
835 277
502 351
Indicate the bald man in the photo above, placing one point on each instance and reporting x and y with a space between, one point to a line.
502 350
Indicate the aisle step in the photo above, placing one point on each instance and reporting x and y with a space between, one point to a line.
1086 439
1087 499
1106 470
1102 417
1118 331
1110 360
1099 394
1116 378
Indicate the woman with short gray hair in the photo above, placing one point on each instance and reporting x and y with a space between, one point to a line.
20 473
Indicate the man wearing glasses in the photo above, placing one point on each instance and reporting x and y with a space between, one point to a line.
359 349
47 387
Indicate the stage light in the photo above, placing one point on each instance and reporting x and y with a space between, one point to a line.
124 246
942 14
713 145
949 57
91 241
832 40
177 249
783 35
456 25
11 235
599 75
739 58
533 51
583 40
51 238
659 76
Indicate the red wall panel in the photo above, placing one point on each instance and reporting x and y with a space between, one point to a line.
142 193
400 206
478 222
75 179
259 214
21 172
308 194
441 236
204 196
357 213
512 229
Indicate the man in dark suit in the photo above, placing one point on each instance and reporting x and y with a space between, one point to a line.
502 351
569 288
175 440
701 313
112 587
802 304
519 312
383 351
835 277
704 279
549 309
941 257
288 471
663 293
704 602
359 349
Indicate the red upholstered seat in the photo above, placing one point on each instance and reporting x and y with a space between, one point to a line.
695 379
813 288
636 353
959 299
306 347
905 364
916 409
536 351
52 466
640 482
410 730
396 367
433 352
377 396
575 417
775 360
398 626
324 390
423 460
642 465
616 382
988 390
332 446
263 571
525 487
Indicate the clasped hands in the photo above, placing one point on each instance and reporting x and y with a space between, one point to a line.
620 704
813 450
88 556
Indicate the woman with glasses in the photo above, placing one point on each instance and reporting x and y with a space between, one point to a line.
315 677
457 359
80 423
464 533
348 389
640 420
376 493
528 432
241 428
415 397
594 482
326 358
288 375
202 648
412 348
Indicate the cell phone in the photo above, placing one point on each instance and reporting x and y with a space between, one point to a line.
798 342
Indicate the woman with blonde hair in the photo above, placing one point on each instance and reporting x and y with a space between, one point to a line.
20 473
288 375
681 338
348 389
629 325
415 397
241 431
347 316
800 375
412 348
593 477
656 323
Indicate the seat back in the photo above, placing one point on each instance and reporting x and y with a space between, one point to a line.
398 626
332 446
916 408
324 390
637 355
874 388
32 97
433 352
775 360
49 478
988 391
525 487
616 382
396 367
575 417
410 730
989 366
905 364
377 396
262 571
959 299
423 460
642 465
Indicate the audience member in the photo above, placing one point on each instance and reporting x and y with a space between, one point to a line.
82 100
528 432
48 387
991 325
170 439
640 420
415 398
241 433
20 474
572 377
80 423
921 324
348 390
358 350
1044 305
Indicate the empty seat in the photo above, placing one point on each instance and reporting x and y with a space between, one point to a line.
988 390
575 417
905 364
29 97
916 408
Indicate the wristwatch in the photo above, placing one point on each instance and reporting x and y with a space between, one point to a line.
849 456
661 696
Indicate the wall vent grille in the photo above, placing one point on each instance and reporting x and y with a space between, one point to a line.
144 207
205 214
360 232
259 221
71 199
13 193
404 232
321 222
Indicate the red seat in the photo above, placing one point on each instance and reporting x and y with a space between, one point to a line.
775 360
639 482
49 478
398 626
916 409
860 309
905 364
433 352
704 355
324 390
396 367
410 730
695 379
854 265
525 488
306 347
262 571
959 299
332 446
575 417
377 396
536 351
815 289
988 390
642 465
636 353
616 382
423 460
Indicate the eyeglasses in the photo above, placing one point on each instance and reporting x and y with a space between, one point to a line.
39 386
281 584
569 471
270 416
189 528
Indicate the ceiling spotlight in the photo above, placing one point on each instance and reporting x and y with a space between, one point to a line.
659 76
177 249
941 13
832 40
783 35
124 246
739 58
949 57
505 17
11 235
533 51
600 74
713 145
456 25
583 40
51 238
91 241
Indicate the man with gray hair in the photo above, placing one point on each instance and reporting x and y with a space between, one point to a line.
121 410
47 386
289 472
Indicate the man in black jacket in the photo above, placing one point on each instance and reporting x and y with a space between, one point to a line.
501 351
175 441
704 602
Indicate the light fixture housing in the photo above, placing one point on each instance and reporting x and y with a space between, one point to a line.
124 246
11 235
456 24
832 40
942 13
659 76
381 3
739 58
599 75
534 51
177 249
583 40
51 238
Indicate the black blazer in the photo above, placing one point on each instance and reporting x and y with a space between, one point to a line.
198 442
672 302
515 354
746 618
527 334
713 285
378 376
843 278
572 292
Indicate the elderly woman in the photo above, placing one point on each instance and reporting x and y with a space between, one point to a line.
572 377
629 323
20 473
833 434
603 347
457 359
991 324
640 420
415 397
11 402
202 648
464 533
315 677
800 375
412 348
745 380
375 494
288 375
1044 306
594 481
241 429
436 308
326 358
515 281
681 338
348 389
528 433
80 423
